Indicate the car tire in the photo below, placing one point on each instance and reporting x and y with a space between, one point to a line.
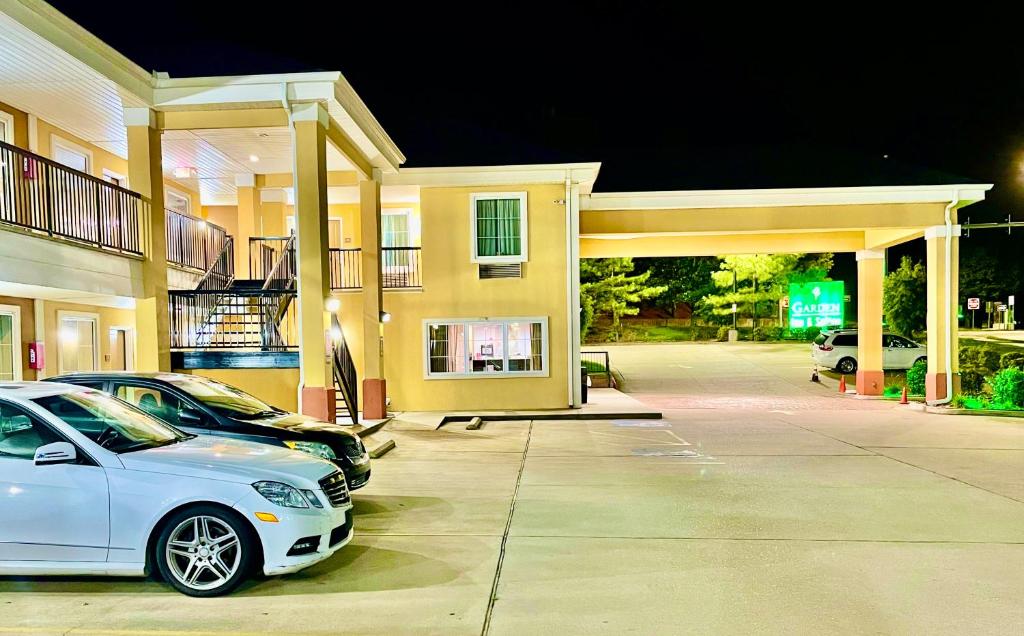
847 365
205 550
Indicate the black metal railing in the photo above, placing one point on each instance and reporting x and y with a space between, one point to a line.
264 253
221 273
239 319
346 268
39 194
345 379
598 365
400 268
282 273
192 242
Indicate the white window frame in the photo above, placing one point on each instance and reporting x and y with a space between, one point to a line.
8 121
56 141
15 311
505 373
523 227
79 315
178 194
109 175
407 213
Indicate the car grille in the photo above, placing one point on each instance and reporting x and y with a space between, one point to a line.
336 489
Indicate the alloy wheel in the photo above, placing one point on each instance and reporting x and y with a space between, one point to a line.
203 552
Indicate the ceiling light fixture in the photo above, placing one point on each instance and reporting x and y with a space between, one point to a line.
185 172
253 158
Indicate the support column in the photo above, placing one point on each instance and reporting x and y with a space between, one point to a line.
309 144
145 176
942 312
870 274
248 204
374 386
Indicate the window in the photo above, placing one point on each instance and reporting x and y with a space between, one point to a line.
176 201
394 228
158 403
480 348
499 227
10 343
20 435
78 343
6 127
223 399
70 154
113 177
109 422
847 340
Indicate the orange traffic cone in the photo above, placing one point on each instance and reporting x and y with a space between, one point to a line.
842 384
903 398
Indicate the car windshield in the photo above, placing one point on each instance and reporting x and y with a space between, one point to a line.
224 399
111 423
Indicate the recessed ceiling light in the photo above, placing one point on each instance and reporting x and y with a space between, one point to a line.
253 158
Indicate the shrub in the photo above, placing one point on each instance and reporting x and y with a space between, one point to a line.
1012 359
1008 388
893 390
971 381
767 333
723 334
976 363
915 378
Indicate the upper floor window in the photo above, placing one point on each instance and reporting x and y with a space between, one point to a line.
6 127
394 228
499 227
70 154
177 201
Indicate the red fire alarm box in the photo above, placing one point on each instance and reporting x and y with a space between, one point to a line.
35 356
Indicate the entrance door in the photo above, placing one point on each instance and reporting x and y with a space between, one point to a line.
120 349
10 343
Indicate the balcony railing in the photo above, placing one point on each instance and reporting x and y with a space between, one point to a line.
44 196
265 253
252 320
192 242
400 268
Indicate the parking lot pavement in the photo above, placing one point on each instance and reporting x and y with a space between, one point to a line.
710 521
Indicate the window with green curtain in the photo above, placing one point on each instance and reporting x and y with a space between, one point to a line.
498 228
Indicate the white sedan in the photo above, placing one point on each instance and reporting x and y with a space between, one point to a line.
91 485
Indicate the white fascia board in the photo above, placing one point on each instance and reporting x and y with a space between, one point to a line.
369 129
583 174
252 91
790 197
66 35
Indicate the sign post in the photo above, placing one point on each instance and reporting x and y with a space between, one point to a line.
972 304
818 304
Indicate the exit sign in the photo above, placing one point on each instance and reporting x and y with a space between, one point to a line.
816 304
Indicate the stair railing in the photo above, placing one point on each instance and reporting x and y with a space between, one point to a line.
281 277
221 272
345 370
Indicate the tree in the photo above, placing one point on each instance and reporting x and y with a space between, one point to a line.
606 288
762 279
904 293
686 279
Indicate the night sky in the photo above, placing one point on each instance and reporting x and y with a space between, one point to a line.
665 96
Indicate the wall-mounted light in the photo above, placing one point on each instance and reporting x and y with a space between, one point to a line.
332 305
385 316
185 172
336 334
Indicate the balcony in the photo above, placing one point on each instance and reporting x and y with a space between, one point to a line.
400 266
45 197
193 243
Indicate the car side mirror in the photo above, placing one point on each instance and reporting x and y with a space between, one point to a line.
188 417
56 453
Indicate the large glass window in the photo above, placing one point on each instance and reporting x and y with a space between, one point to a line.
394 229
476 348
499 227
224 399
10 343
78 344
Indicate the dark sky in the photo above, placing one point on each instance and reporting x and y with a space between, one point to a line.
666 96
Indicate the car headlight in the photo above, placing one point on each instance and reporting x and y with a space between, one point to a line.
281 494
313 448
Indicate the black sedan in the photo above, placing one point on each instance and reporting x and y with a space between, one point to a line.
203 406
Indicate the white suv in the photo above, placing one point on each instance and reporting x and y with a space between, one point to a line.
838 350
92 485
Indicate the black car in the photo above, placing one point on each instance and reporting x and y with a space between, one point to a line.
203 406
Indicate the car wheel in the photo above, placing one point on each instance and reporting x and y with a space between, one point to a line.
205 551
847 365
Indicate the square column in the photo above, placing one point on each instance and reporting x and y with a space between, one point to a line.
145 176
374 386
942 312
870 276
316 374
248 205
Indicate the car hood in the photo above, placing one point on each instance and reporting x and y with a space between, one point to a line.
302 424
208 457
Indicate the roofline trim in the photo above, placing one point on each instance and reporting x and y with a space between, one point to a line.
584 174
784 197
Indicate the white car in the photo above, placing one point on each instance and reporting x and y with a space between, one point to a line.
838 350
91 485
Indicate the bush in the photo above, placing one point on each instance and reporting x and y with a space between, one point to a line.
976 363
703 332
1008 388
767 333
806 334
893 390
1013 359
971 381
915 377
723 334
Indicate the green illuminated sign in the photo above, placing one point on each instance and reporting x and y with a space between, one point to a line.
816 304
